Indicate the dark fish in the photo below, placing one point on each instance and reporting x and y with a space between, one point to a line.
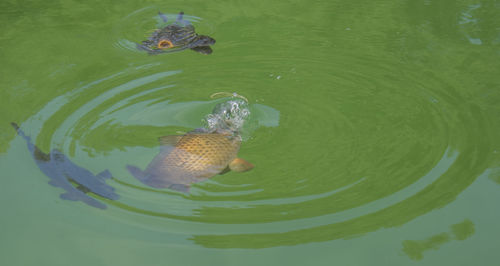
62 172
178 36
191 158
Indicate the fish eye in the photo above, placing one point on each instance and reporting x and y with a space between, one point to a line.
164 44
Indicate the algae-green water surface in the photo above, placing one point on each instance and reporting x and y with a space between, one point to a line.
374 131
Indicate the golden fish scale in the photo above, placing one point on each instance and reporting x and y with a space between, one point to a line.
205 153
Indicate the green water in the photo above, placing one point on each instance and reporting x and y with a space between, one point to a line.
374 132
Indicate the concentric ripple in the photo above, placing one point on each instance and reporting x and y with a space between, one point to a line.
368 142
118 119
371 155
381 155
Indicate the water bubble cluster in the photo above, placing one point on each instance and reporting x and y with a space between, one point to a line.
228 116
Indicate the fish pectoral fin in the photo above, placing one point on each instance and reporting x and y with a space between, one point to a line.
240 165
136 172
88 200
227 169
69 196
180 187
106 174
170 140
55 183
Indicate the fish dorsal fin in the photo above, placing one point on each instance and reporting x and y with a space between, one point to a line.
240 165
170 140
198 131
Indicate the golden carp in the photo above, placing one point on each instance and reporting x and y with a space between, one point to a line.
192 158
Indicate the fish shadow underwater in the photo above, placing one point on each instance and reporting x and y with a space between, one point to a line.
64 173
182 160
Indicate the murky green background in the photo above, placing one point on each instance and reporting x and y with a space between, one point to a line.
375 132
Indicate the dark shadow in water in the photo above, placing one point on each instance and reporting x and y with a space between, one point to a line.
415 248
63 173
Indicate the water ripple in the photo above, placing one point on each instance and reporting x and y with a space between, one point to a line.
365 144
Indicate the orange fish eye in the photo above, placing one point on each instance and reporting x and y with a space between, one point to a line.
164 44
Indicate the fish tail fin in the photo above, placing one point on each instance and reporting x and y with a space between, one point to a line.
134 169
148 179
136 172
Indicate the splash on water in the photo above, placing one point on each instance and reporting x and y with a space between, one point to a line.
228 116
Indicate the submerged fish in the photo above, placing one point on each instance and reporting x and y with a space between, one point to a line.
63 173
190 158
